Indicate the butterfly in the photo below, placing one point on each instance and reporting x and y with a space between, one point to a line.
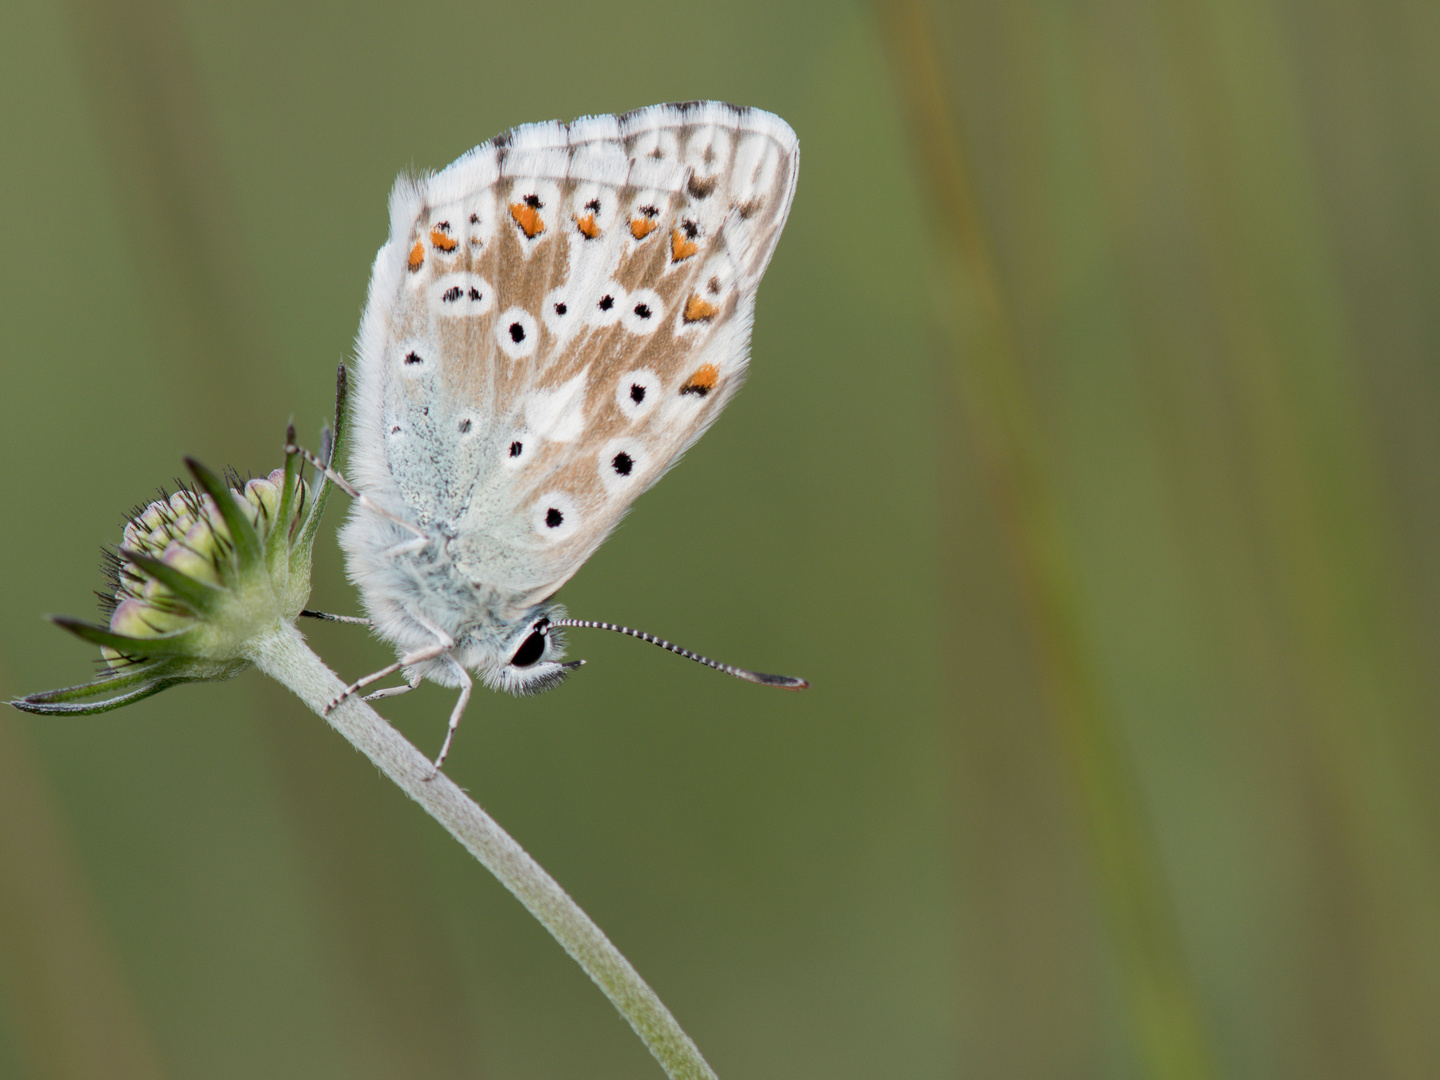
554 319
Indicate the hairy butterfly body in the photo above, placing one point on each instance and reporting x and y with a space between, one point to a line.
553 320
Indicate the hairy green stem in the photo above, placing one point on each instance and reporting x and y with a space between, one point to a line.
283 655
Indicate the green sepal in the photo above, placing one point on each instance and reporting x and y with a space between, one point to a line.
200 597
111 679
283 523
72 699
301 548
161 646
248 548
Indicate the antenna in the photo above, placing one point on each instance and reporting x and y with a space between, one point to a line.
783 681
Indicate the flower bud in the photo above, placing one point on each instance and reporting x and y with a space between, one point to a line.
198 574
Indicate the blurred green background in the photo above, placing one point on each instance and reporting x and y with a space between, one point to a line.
1089 467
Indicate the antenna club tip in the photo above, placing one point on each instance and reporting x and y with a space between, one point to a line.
782 682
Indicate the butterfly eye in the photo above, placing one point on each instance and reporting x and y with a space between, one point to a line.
531 649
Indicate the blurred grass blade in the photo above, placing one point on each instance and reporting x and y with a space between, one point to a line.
173 195
175 203
1002 417
71 1011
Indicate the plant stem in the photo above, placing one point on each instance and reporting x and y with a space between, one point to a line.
283 655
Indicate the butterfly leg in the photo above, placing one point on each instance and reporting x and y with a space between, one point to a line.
465 684
393 691
421 537
417 657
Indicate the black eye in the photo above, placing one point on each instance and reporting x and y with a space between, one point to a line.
531 649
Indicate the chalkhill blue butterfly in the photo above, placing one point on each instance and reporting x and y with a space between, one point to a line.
554 319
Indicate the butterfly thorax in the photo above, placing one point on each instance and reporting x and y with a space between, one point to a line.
410 590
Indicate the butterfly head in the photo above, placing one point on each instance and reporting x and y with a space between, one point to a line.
536 647
534 653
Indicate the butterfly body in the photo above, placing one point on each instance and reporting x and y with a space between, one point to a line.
554 319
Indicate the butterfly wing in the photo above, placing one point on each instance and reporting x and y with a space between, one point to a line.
555 318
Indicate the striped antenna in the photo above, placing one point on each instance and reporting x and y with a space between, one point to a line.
783 681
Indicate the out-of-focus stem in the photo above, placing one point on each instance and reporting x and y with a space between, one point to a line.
1002 419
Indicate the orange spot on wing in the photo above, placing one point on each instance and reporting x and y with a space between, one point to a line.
417 257
528 218
588 227
681 247
442 239
697 310
641 227
703 381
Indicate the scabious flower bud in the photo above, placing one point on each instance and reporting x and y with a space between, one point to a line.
264 495
189 534
198 575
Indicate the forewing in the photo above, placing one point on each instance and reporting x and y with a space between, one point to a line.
556 317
